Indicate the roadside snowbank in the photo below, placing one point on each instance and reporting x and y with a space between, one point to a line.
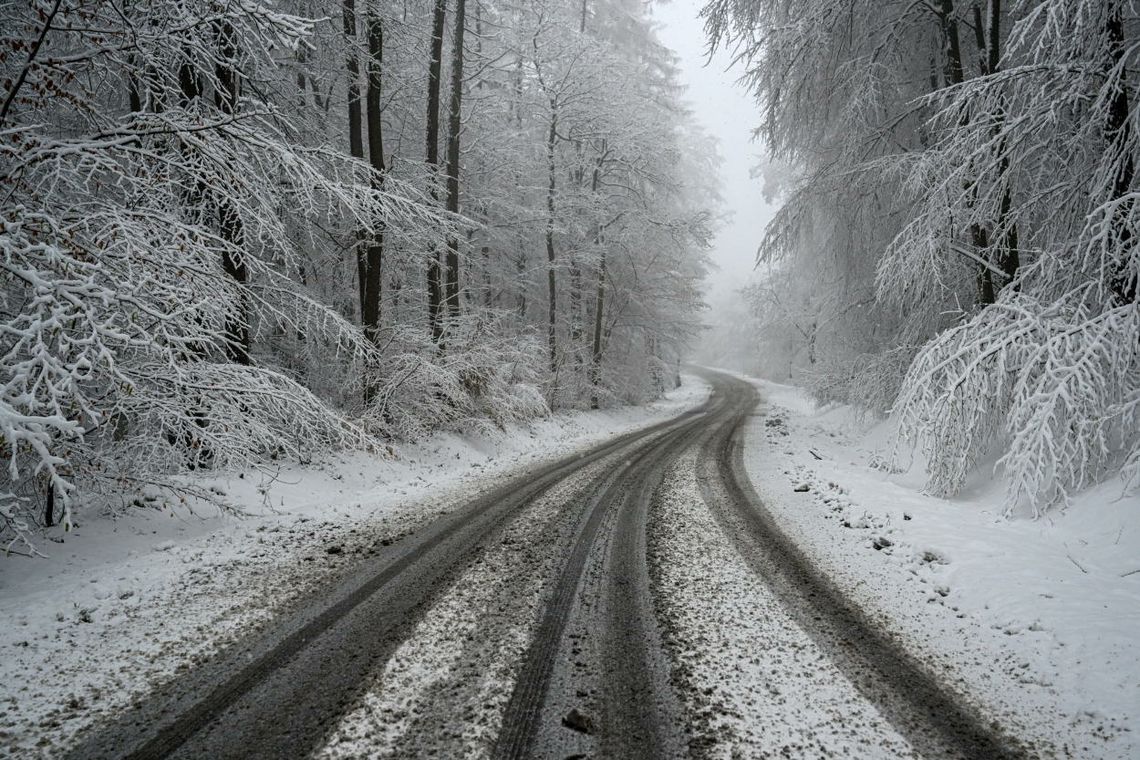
124 604
1036 619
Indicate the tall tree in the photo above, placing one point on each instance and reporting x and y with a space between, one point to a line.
435 70
233 257
374 250
355 123
454 129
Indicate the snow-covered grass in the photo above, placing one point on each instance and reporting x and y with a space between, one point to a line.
122 604
1035 618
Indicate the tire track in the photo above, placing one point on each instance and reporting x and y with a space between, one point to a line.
523 713
936 720
641 715
535 547
444 688
638 715
279 694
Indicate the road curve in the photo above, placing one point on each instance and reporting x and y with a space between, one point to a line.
636 717
934 719
280 693
592 678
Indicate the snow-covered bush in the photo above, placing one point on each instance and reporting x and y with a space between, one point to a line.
1058 384
870 381
484 377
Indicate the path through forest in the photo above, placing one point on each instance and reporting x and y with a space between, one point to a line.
554 617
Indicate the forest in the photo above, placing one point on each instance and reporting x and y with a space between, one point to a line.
955 243
627 379
236 231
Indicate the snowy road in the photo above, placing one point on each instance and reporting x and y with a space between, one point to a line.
636 601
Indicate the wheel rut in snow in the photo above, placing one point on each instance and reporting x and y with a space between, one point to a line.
640 717
594 679
528 563
938 722
279 693
596 649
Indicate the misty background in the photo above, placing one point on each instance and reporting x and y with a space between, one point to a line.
730 114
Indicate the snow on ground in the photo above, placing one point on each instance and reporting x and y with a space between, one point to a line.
447 684
760 687
1036 618
123 604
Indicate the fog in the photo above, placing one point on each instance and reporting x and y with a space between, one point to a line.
729 113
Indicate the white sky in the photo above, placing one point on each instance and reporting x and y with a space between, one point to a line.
729 113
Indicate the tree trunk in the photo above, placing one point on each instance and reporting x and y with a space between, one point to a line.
953 47
1010 259
133 94
979 237
230 224
521 249
355 124
596 353
374 253
520 270
454 125
372 257
434 274
190 87
551 284
577 327
479 41
1118 133
488 296
989 50
237 325
49 505
600 295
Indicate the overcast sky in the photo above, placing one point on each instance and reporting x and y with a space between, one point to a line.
728 113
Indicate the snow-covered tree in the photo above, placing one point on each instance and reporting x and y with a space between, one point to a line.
158 203
236 230
1040 154
971 166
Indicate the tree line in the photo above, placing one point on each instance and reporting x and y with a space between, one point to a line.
958 241
243 230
